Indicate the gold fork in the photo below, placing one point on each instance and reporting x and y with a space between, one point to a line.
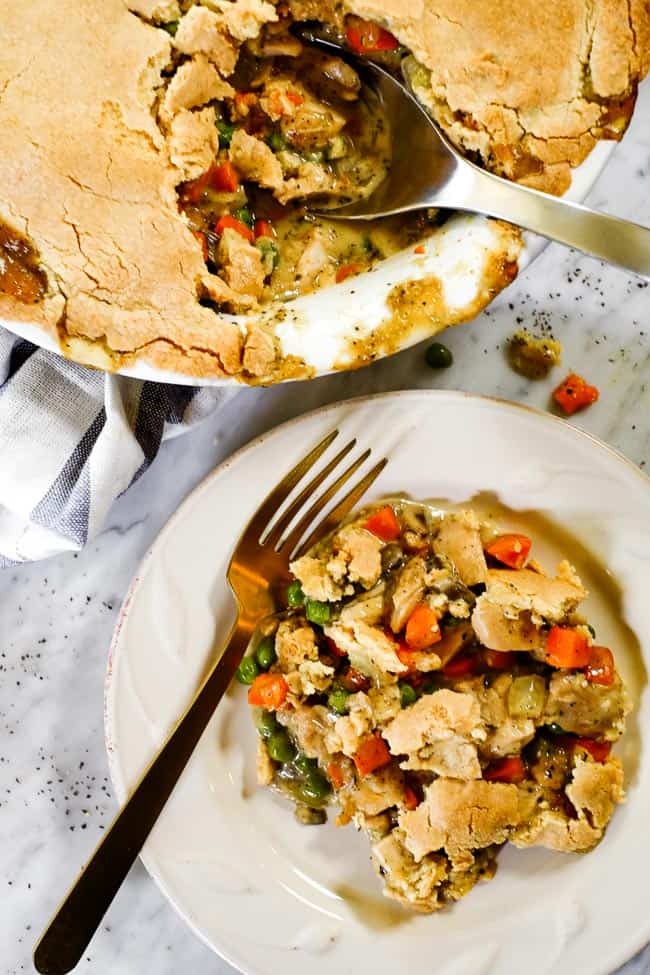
260 559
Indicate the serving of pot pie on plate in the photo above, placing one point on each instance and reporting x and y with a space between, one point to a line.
161 163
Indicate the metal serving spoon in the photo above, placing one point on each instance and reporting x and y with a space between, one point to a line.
428 171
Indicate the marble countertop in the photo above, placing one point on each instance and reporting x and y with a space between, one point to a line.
57 617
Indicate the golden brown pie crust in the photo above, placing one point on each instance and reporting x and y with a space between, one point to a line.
94 141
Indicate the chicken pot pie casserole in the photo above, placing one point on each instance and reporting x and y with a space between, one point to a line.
162 162
445 693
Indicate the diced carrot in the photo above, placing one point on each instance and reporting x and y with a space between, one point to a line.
263 228
600 667
268 691
334 649
510 769
411 798
203 241
372 754
462 665
347 270
295 98
566 647
498 660
335 775
510 550
353 680
422 628
364 36
227 222
420 249
599 750
575 394
224 177
384 524
193 191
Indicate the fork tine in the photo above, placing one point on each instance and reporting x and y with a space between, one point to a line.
285 520
281 491
339 512
342 509
288 543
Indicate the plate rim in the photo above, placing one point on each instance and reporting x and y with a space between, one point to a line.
636 944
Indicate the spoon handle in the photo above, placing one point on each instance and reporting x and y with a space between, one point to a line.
609 238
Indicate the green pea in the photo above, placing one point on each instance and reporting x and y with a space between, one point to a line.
315 786
171 27
267 724
304 764
337 699
277 142
226 132
317 612
247 670
407 694
295 595
279 747
244 216
265 653
438 356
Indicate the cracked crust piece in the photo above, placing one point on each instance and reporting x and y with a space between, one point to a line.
98 132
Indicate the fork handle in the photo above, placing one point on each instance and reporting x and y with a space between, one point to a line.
609 238
77 919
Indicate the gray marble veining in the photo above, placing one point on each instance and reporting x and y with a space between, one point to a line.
56 618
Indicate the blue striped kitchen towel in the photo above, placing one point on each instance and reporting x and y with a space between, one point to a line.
72 440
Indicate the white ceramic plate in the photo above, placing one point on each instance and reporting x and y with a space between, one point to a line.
318 326
270 895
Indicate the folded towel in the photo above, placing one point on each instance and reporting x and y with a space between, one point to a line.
72 440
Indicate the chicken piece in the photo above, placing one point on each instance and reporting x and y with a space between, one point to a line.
200 32
311 124
458 816
524 591
594 792
357 555
496 631
244 19
415 884
385 702
240 264
459 540
255 161
377 792
505 735
196 83
587 709
370 651
312 180
369 607
295 642
314 267
407 592
439 733
193 142
265 767
312 677
354 726
312 728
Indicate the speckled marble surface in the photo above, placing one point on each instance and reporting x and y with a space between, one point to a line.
56 618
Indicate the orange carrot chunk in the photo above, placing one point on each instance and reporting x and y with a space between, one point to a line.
263 228
231 223
372 754
384 524
422 628
411 798
510 769
347 270
364 36
335 775
224 177
566 647
600 668
268 691
599 750
510 550
575 394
